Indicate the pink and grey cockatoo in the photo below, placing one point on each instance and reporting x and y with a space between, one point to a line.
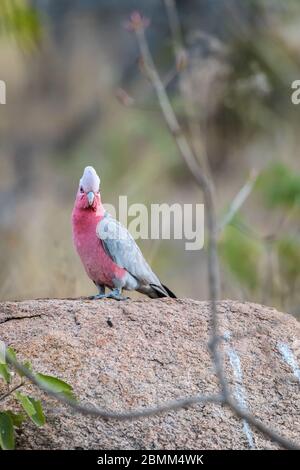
108 252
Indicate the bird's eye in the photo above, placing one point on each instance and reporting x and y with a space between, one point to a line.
81 189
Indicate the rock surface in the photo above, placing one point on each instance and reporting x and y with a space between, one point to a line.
138 353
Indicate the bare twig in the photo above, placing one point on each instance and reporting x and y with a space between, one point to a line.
208 192
181 57
174 22
206 184
151 411
238 201
201 175
16 387
105 414
265 430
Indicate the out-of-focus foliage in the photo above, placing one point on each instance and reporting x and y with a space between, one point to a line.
241 255
288 249
18 20
268 263
280 186
261 67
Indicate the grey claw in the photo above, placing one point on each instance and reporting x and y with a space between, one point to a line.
96 297
117 297
114 294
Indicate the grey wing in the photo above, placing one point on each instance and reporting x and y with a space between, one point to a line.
123 250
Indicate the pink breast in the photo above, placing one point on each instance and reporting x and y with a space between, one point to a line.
98 265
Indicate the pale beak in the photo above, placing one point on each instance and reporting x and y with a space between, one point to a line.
91 197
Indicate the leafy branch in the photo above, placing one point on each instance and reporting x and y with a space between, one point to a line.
30 406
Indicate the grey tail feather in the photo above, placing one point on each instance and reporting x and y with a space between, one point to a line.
163 291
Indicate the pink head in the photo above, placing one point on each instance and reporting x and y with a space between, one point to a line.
88 194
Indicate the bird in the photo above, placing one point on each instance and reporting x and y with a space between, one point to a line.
108 252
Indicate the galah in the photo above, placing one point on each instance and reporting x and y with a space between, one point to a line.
108 252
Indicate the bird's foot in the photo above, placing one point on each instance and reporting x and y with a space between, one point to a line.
116 295
98 296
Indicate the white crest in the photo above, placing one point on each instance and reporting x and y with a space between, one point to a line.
90 181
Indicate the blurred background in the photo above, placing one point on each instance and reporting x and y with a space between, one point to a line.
77 95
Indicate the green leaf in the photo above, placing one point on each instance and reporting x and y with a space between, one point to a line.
11 352
17 418
32 407
28 365
56 385
26 402
4 373
7 438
